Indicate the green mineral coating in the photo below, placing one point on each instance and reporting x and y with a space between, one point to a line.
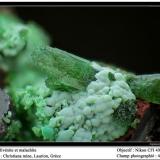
65 135
30 89
146 87
13 131
36 36
65 71
79 116
125 113
12 35
47 132
18 40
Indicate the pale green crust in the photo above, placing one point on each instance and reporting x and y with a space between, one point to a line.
83 116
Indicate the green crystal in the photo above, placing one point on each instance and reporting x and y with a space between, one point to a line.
65 71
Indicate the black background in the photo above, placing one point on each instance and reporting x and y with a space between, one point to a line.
126 36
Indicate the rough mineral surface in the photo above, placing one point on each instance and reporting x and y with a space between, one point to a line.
76 116
4 103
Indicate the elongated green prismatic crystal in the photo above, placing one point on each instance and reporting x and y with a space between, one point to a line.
146 87
65 71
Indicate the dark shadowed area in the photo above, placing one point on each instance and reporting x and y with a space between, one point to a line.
125 36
